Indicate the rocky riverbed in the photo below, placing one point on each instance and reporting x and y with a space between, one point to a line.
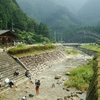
51 88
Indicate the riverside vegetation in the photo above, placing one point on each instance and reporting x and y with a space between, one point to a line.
72 52
81 76
92 47
23 50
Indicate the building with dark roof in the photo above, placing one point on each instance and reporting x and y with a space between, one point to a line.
7 38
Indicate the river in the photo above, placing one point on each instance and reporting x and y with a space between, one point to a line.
47 78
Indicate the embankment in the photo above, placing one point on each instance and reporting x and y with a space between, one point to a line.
39 62
93 92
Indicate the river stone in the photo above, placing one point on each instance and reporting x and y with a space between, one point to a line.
57 76
67 89
79 92
63 79
60 99
31 95
74 94
27 86
67 73
53 85
67 98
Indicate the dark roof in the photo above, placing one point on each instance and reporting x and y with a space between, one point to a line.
5 31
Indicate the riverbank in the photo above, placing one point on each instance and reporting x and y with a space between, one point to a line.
47 78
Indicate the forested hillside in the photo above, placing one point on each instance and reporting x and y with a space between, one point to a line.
90 12
88 34
55 16
11 13
72 5
63 26
11 16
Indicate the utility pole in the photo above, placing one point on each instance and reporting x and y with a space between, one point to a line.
55 35
12 27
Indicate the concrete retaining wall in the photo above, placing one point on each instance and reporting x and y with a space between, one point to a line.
39 62
93 92
94 87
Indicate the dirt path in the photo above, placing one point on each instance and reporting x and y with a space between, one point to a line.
47 78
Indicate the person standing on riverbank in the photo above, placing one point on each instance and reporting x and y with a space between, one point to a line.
37 84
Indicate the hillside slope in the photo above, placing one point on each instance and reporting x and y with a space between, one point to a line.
10 12
13 18
90 11
48 12
72 5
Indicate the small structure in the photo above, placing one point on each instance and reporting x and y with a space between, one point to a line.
7 38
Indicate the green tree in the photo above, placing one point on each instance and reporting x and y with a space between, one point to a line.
28 29
43 30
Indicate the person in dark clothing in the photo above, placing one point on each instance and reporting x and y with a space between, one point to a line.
37 84
11 83
0 84
28 74
16 72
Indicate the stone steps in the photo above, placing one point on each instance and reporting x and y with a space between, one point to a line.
8 65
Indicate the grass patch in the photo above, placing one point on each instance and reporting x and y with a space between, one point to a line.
23 50
72 52
92 47
81 76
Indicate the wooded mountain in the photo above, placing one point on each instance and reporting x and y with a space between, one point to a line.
72 5
46 11
63 24
58 18
90 12
10 13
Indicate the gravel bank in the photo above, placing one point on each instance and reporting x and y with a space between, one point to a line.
47 78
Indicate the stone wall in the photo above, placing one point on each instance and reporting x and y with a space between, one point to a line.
93 92
39 62
94 87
